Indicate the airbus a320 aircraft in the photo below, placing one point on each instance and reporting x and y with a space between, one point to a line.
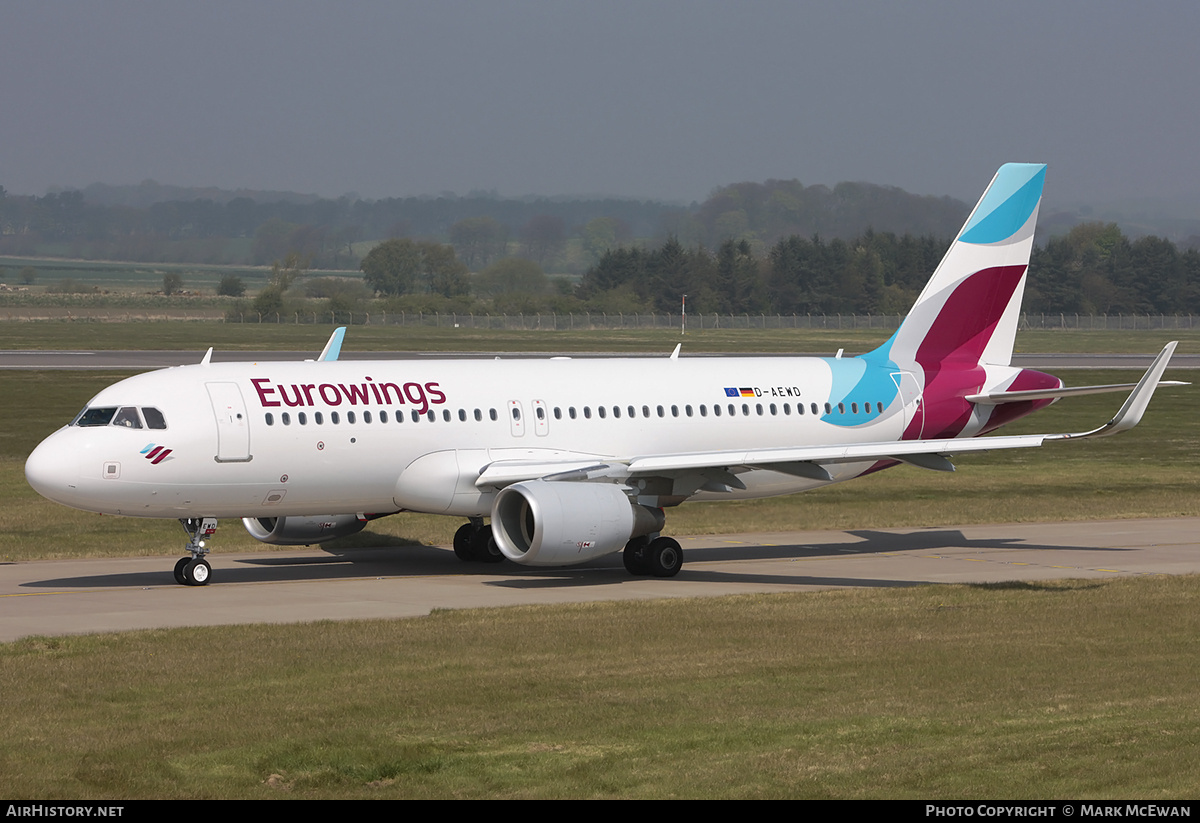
570 458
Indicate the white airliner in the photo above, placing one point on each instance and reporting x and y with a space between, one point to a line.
570 458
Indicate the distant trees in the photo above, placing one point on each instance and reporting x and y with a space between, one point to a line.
172 283
231 286
511 275
479 240
404 266
542 237
1095 269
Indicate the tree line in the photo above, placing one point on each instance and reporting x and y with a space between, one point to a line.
1094 269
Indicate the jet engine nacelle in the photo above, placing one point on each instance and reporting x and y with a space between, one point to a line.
302 531
562 523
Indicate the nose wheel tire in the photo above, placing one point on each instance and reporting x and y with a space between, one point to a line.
193 572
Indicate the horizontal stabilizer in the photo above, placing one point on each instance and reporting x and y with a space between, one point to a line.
1049 394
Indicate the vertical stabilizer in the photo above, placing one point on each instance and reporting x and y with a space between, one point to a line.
968 312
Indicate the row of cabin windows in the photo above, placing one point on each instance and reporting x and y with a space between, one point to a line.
602 412
351 417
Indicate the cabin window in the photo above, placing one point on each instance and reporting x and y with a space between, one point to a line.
703 410
688 410
716 410
773 410
600 411
432 415
828 409
366 417
462 415
270 419
154 418
854 408
645 411
318 418
841 408
814 408
787 409
745 410
880 407
674 411
382 417
445 415
492 414
587 412
335 418
616 412
661 413
302 418
286 418
350 418
758 409
571 412
478 416
557 413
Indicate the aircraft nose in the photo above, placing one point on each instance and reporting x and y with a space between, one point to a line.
52 469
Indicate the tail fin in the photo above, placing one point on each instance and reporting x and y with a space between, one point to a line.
967 314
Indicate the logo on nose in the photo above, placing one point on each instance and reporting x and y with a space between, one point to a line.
155 453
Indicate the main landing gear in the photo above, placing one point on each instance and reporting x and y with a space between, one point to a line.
194 570
473 543
660 557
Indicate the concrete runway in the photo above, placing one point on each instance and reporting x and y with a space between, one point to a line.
80 596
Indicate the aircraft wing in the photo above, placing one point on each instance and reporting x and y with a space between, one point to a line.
807 461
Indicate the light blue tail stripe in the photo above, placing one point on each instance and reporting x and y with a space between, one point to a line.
1008 203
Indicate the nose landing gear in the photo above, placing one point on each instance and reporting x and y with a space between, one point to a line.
194 570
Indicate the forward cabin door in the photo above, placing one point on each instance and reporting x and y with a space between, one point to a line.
233 430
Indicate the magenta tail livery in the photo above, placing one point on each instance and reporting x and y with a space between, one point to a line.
569 458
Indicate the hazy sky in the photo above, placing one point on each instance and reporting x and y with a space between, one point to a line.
662 100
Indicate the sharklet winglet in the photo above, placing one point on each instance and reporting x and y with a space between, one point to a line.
334 347
207 358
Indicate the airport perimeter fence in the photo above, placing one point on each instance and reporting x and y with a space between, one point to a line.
586 321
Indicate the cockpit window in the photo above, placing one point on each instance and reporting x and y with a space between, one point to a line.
96 417
154 418
127 416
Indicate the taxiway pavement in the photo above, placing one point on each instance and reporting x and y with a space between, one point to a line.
62 597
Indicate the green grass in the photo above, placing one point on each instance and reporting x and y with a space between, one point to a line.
1070 689
197 336
1152 471
128 278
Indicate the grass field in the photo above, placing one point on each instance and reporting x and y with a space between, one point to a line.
1050 690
